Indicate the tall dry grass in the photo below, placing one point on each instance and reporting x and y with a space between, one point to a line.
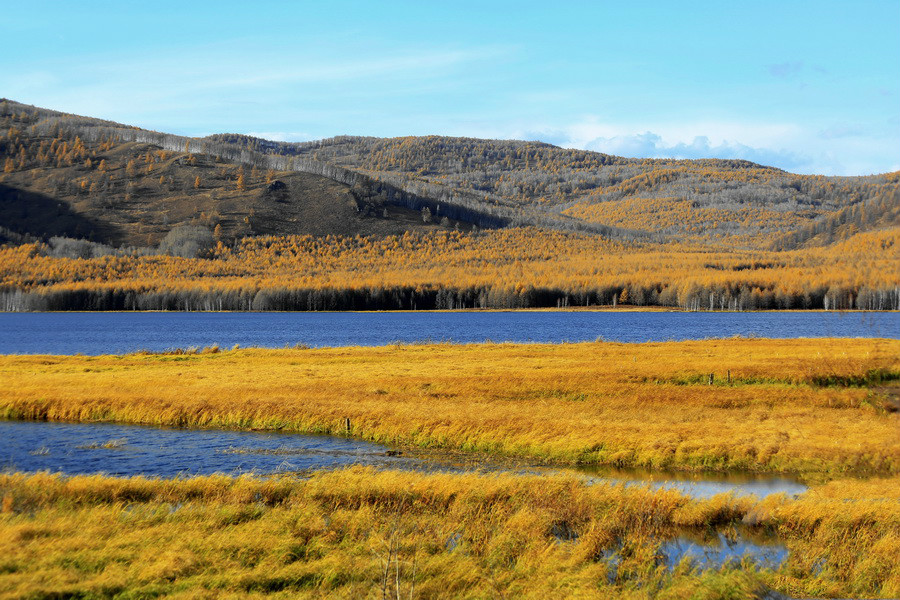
441 535
790 405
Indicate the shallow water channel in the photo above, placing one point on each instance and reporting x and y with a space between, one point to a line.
125 450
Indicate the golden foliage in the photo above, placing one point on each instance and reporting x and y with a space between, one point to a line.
513 267
678 216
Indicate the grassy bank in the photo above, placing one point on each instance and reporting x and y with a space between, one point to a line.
809 406
363 534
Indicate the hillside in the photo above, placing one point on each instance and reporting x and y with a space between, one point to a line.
732 202
343 185
97 216
57 183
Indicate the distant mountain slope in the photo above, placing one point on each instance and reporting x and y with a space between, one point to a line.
56 182
344 185
731 201
879 213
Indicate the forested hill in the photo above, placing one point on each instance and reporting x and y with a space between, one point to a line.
83 177
734 202
100 216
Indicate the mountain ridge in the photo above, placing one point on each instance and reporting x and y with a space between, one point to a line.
454 182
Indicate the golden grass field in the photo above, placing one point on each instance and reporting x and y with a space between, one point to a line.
803 406
819 408
360 533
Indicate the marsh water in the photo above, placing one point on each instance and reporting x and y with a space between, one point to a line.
113 333
718 549
713 550
125 450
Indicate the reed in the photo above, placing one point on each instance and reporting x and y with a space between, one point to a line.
806 406
441 535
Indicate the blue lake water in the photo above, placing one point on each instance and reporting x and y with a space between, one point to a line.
108 333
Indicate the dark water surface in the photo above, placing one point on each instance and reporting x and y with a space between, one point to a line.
113 333
126 450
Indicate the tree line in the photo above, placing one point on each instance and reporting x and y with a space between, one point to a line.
509 268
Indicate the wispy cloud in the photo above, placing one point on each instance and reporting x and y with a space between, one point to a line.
786 70
229 82
842 130
367 68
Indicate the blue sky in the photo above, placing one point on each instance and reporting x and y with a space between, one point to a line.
811 87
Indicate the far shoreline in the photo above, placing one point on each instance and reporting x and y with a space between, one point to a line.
568 309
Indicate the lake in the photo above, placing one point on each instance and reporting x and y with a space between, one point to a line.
115 333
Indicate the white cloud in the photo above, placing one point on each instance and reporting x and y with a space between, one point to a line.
652 145
281 136
838 149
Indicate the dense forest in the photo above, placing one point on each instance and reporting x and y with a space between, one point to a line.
100 216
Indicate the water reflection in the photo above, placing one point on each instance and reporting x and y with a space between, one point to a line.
710 550
722 549
703 484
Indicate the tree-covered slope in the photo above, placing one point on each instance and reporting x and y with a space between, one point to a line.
80 177
730 201
62 177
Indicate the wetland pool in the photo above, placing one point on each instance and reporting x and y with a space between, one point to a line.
126 450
